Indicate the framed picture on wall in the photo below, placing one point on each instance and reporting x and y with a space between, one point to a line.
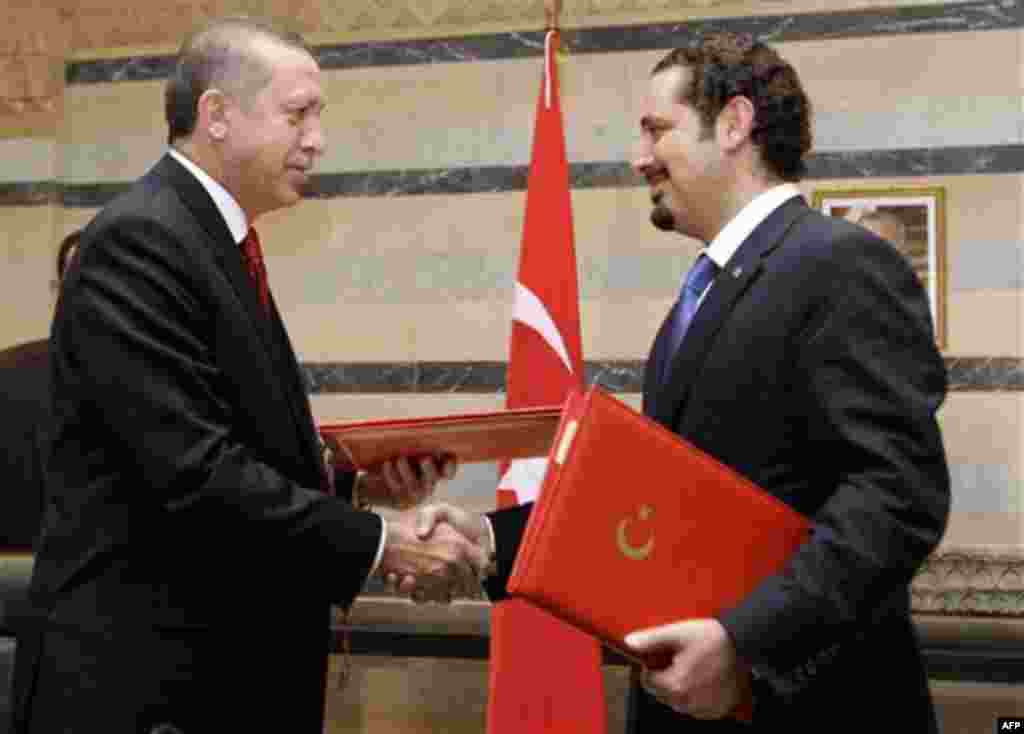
913 219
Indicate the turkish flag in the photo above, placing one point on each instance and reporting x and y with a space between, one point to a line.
545 675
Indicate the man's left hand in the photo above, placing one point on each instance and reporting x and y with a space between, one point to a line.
705 680
403 483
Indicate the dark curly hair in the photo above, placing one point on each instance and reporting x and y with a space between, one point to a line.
66 251
727 65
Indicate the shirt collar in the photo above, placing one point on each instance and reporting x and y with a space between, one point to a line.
733 234
233 215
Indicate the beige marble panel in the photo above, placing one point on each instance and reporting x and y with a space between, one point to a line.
341 408
486 110
429 116
371 244
990 530
445 115
894 67
352 332
97 112
984 428
111 132
343 228
27 159
316 245
986 431
28 246
986 322
408 240
313 248
624 329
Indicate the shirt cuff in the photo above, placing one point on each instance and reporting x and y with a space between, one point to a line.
494 555
380 547
490 532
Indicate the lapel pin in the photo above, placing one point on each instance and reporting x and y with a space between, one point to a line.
737 271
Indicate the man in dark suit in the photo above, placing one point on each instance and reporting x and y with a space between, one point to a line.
806 360
192 546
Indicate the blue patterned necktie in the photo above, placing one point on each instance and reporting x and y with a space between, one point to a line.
697 280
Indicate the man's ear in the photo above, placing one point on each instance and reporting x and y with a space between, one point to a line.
211 117
735 123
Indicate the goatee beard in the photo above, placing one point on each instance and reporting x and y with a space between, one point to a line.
662 218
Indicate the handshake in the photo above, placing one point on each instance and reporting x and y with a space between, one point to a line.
436 553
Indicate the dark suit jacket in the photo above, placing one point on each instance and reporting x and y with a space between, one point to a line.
189 555
25 407
811 368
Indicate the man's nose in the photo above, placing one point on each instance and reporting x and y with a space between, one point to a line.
643 164
643 157
314 139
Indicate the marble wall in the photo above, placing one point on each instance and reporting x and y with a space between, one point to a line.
395 276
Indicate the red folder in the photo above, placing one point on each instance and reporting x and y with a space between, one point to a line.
635 527
501 435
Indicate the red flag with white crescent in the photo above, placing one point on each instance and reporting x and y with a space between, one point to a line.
563 689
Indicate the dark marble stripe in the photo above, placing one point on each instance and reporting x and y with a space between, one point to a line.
91 195
133 69
947 18
959 160
975 374
990 159
33 193
985 374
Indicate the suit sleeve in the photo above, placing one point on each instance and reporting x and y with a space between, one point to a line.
135 336
509 525
871 381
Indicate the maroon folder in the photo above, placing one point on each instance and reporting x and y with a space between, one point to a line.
516 433
635 527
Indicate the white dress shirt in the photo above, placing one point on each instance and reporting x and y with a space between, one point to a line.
733 234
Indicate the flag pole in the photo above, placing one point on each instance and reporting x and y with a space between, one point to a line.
552 13
552 23
563 689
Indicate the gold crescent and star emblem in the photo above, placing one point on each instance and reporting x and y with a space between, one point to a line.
636 553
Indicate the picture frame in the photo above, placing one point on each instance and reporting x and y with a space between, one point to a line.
913 219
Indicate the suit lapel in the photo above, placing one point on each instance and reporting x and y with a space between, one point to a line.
271 332
291 374
731 283
228 254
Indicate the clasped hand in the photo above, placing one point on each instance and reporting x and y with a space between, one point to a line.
425 562
437 554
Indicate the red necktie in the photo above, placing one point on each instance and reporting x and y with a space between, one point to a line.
254 260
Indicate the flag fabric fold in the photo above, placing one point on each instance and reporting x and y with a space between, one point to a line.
545 675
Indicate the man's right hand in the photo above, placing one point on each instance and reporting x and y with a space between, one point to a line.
438 567
470 524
